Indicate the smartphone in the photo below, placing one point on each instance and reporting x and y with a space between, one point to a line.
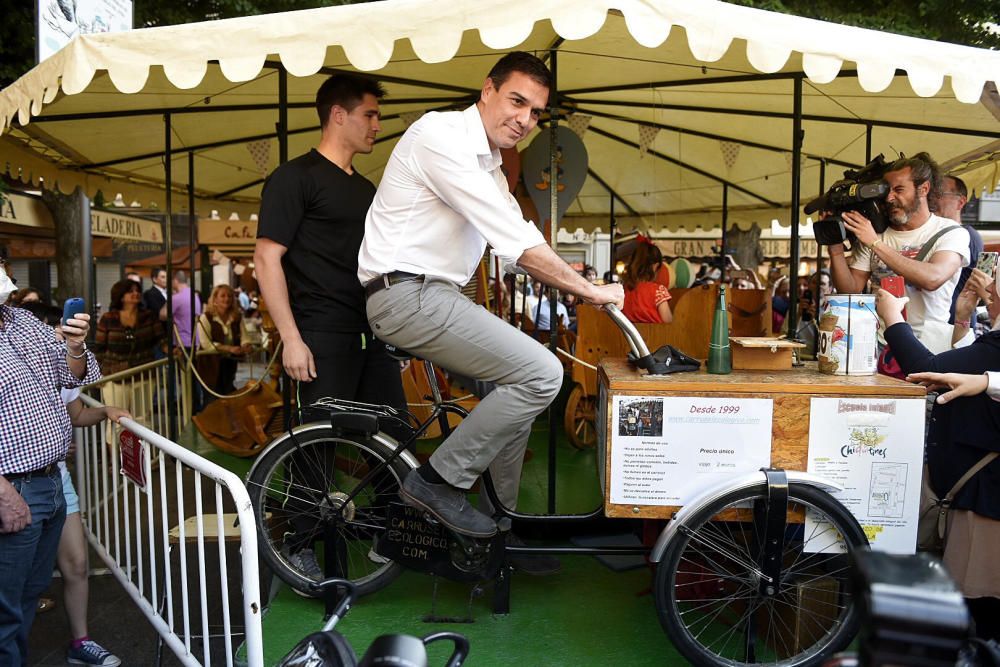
988 263
73 306
894 285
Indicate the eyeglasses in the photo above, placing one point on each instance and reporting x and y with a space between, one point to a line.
951 194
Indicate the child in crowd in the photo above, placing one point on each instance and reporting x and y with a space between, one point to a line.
72 556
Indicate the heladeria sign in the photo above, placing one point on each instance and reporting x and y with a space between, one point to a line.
125 227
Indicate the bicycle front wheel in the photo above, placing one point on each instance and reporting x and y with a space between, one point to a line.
709 592
307 495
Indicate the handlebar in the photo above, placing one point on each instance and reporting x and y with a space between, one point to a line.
461 646
632 334
664 360
350 592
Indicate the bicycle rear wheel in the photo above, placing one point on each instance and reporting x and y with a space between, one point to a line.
708 585
305 495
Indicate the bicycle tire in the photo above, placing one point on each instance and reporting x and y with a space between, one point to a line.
323 468
695 604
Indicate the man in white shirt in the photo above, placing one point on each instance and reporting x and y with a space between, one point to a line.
929 283
442 198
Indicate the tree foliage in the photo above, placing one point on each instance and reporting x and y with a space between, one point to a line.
969 22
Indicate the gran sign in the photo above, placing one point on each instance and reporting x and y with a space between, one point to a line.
710 247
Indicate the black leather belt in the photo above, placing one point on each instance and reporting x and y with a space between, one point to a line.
387 280
45 471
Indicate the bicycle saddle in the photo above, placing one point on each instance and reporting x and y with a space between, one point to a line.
397 353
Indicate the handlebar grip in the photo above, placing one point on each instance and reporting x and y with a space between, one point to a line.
635 340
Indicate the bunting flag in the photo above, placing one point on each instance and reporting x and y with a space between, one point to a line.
579 122
260 151
647 134
410 117
730 152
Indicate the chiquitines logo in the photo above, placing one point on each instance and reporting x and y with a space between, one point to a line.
864 441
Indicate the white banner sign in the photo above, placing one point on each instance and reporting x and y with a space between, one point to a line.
874 449
665 450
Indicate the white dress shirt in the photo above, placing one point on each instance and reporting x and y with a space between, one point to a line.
993 385
442 198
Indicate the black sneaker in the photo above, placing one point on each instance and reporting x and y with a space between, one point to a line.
538 565
448 505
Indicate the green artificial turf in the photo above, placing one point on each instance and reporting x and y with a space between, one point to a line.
585 615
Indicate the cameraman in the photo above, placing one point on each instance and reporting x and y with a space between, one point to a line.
929 283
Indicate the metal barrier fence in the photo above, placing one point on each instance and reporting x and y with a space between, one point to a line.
143 534
143 392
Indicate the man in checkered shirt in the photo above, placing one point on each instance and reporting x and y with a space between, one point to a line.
35 433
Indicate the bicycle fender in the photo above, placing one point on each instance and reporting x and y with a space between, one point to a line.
713 493
393 444
382 438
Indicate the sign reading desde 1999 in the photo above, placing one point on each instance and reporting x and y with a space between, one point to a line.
666 449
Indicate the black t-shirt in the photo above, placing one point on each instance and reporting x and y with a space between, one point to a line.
317 210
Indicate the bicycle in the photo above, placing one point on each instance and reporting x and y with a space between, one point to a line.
729 565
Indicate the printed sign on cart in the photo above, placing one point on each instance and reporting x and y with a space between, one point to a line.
874 449
665 450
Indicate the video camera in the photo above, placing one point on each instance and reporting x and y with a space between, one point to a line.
863 191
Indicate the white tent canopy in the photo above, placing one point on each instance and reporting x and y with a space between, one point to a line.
712 82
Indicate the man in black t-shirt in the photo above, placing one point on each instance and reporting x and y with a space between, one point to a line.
312 220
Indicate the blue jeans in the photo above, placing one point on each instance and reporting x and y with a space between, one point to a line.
26 561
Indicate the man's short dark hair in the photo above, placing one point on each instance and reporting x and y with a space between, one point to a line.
346 91
923 169
960 187
523 62
155 272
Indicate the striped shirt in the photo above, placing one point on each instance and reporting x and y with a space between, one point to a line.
34 425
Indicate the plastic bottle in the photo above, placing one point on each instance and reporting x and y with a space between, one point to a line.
720 357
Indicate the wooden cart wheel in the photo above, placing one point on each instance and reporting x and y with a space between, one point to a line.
581 417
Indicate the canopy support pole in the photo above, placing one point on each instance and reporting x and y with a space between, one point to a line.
168 241
725 220
191 241
282 128
612 228
819 263
793 273
868 143
553 231
282 115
